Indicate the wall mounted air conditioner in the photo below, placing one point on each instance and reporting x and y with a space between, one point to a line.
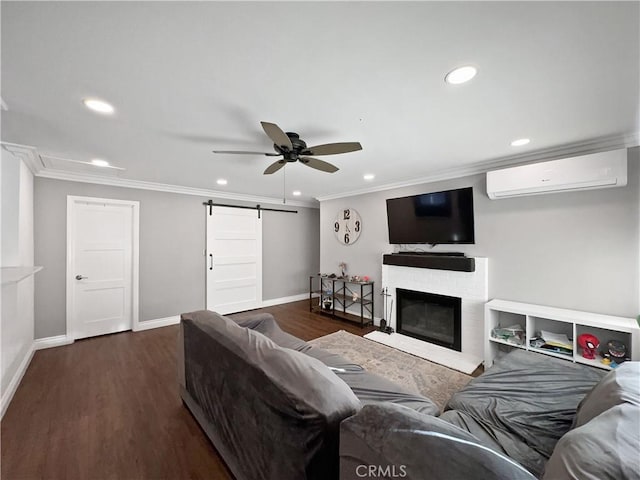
597 170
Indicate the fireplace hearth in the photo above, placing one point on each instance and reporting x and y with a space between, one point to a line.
429 317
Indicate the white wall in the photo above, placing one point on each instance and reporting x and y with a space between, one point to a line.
576 250
17 303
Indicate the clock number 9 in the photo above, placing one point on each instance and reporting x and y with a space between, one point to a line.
336 227
357 226
346 238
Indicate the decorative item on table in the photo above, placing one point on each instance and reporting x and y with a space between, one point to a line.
343 269
365 279
327 300
355 297
356 278
513 334
615 352
589 344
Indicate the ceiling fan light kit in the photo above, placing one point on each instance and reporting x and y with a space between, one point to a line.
292 148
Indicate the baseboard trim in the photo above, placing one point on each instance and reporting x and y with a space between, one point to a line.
279 301
7 396
157 323
51 342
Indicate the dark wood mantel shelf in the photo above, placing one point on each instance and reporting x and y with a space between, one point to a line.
457 263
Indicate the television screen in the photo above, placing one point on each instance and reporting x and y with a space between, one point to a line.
439 217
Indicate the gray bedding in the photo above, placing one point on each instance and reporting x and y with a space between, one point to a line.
523 419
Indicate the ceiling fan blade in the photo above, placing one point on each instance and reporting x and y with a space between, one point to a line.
274 167
242 152
334 148
318 164
275 133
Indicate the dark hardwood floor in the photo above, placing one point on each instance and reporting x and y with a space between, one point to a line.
108 408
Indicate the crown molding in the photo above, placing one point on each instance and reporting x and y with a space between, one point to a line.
29 155
163 187
582 148
33 160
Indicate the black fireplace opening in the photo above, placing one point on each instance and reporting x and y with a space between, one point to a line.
430 317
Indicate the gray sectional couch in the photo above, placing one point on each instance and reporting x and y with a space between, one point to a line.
276 407
271 403
529 416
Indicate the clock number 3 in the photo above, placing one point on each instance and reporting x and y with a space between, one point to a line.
357 226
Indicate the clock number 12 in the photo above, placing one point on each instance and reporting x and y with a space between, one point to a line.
346 214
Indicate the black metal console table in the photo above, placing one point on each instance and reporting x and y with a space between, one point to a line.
337 295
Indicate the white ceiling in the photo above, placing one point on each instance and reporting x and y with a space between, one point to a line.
186 78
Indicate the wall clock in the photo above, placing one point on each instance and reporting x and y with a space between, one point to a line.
347 226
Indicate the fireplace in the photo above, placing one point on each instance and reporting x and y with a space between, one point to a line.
430 317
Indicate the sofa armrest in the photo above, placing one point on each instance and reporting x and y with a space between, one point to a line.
252 320
388 441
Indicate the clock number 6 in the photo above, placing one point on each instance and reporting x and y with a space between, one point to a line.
346 238
336 227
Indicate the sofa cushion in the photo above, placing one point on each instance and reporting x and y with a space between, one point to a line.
267 326
621 385
367 386
605 448
499 440
527 398
394 438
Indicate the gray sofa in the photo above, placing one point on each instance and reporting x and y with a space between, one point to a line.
271 403
529 416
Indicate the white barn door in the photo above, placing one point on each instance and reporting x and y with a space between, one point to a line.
234 259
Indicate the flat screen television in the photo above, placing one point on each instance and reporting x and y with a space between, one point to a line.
434 218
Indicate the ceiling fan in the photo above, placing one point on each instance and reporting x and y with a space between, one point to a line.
294 149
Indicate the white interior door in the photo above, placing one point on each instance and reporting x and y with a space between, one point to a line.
102 244
234 260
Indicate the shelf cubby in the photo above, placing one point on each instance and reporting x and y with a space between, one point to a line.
572 323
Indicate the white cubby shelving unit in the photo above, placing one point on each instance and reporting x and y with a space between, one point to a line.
572 323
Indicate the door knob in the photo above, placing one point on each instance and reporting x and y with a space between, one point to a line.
80 277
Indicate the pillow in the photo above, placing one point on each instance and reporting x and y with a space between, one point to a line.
621 385
606 448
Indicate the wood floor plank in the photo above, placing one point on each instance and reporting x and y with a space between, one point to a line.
109 408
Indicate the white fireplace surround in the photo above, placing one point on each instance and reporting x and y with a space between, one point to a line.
470 287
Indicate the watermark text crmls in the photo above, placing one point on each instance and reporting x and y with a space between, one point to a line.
381 471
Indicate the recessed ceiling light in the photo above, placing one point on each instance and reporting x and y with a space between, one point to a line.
221 181
461 75
99 106
520 142
369 176
297 193
99 162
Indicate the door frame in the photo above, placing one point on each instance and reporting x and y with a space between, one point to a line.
72 201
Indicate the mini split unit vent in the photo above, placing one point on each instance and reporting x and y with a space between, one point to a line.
598 170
